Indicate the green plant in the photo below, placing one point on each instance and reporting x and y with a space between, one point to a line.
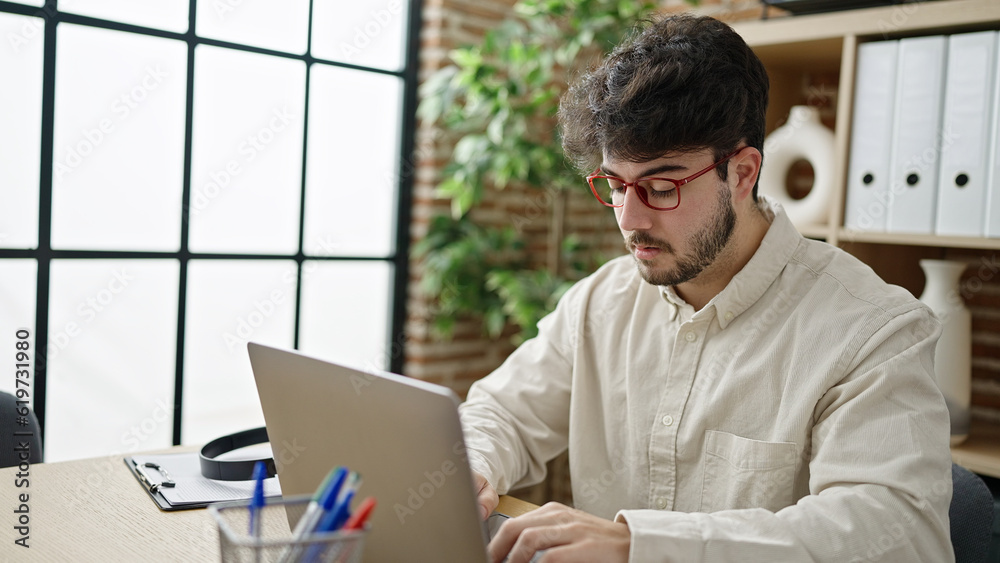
500 99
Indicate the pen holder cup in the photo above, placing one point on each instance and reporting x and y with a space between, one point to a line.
275 542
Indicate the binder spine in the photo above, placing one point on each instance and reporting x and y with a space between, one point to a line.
968 115
871 136
915 159
993 160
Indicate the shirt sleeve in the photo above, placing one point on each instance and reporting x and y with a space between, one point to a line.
880 472
517 418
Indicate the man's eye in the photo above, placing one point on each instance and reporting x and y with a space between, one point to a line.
661 189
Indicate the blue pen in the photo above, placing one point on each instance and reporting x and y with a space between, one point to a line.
323 501
257 501
333 519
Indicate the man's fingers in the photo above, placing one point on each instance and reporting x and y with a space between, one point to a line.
512 531
486 495
565 533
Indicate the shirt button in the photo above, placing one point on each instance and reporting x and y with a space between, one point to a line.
729 315
668 420
661 503
690 337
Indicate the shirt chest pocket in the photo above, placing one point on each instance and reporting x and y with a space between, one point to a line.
745 473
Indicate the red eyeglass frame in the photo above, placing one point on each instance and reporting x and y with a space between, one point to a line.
643 194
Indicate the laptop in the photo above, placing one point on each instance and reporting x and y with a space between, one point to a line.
401 434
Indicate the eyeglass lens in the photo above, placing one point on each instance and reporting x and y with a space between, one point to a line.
659 193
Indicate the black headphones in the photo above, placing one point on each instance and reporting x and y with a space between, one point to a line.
241 470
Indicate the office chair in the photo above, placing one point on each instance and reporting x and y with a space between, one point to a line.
15 429
971 514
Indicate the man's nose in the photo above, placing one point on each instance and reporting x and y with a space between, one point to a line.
634 215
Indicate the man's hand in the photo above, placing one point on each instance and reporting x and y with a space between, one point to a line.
486 495
566 533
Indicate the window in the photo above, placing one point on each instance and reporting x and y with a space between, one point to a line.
181 177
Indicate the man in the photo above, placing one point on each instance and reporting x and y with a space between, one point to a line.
731 391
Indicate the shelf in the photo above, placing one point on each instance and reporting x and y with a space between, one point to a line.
981 451
941 16
797 50
848 236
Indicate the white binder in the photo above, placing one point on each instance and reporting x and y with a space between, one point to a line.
993 162
913 173
871 136
965 131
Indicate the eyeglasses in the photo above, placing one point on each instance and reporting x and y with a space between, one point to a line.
661 194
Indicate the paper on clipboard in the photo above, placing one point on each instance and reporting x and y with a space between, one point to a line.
191 489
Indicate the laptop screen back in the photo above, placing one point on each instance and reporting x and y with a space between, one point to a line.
402 435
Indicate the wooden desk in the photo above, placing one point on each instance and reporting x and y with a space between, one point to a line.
981 451
95 510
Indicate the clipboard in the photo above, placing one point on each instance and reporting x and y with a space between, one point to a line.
175 482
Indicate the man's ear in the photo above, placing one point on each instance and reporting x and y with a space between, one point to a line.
744 169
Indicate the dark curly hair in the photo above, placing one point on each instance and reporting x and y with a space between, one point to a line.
683 83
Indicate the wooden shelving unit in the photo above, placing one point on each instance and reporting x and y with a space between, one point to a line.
981 451
798 48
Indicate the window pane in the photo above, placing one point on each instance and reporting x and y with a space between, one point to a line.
365 32
246 171
119 140
228 304
112 352
17 311
352 163
20 111
30 2
282 26
171 15
345 312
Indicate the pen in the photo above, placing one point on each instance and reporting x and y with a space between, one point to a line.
360 516
357 522
333 519
323 501
257 502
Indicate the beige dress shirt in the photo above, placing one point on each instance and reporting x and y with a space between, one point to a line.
793 418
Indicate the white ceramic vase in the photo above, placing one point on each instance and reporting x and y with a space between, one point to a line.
802 137
953 356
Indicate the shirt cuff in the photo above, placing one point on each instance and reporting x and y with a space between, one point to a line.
478 463
661 535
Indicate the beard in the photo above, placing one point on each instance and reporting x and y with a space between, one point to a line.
706 245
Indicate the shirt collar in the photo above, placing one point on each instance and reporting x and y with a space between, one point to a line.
764 267
750 283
